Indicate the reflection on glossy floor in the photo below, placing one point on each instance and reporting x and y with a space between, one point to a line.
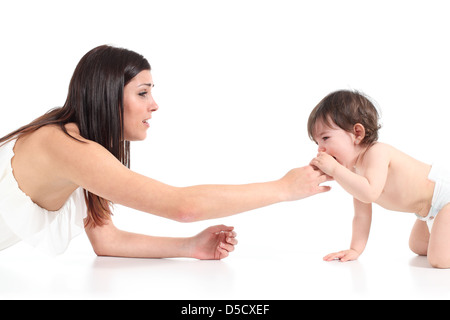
79 274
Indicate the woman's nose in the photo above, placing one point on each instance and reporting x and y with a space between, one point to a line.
153 106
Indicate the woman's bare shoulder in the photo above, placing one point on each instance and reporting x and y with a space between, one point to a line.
50 134
43 142
69 154
53 140
55 134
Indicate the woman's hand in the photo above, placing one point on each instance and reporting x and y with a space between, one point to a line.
214 243
304 182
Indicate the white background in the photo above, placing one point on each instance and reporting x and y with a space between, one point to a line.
235 82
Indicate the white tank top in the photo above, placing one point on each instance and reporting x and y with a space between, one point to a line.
22 219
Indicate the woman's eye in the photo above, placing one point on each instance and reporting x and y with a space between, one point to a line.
143 94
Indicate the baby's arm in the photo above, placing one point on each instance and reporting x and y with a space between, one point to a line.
368 184
365 188
361 229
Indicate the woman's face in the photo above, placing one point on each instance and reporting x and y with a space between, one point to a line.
138 105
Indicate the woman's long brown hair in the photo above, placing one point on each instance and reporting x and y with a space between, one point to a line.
95 104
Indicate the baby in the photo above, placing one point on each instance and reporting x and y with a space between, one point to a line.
345 127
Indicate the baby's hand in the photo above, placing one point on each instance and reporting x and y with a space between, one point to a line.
326 163
343 256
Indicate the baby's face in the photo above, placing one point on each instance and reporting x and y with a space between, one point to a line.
336 142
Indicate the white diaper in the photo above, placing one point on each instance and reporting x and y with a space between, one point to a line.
441 194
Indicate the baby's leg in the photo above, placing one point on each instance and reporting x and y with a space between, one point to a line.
439 246
418 241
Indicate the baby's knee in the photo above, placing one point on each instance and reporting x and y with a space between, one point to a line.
439 262
418 247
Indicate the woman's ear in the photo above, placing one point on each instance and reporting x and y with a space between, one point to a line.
360 132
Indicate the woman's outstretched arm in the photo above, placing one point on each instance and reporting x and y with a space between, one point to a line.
92 167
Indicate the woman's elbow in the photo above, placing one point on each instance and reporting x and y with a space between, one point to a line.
100 247
102 238
187 211
100 251
186 214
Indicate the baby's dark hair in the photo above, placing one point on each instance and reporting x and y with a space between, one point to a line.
345 109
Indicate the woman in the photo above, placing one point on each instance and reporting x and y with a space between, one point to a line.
62 172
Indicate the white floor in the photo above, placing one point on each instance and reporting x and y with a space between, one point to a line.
262 267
